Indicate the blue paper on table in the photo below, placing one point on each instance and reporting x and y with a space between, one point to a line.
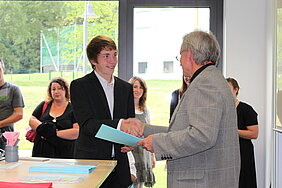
108 133
57 168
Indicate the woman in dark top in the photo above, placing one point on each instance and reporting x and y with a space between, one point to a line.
56 127
247 130
177 94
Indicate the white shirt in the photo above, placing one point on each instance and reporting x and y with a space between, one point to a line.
109 92
131 161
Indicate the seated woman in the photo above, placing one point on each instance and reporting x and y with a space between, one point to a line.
54 123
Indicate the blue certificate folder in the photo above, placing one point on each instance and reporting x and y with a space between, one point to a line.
58 168
108 133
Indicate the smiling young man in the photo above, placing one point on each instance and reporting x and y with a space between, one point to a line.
101 98
11 105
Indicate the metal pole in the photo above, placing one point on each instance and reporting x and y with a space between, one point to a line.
74 49
85 38
58 49
41 51
50 53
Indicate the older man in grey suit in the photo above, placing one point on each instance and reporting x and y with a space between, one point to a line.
201 143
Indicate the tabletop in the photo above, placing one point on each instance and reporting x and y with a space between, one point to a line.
19 171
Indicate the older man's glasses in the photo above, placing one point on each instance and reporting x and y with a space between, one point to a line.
179 56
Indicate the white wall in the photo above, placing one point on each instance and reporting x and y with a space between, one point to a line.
247 60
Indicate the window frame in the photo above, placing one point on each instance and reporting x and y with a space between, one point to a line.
145 63
167 65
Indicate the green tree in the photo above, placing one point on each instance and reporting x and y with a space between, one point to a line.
106 24
21 23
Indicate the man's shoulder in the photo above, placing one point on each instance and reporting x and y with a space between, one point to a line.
213 74
212 70
213 80
83 79
209 75
11 87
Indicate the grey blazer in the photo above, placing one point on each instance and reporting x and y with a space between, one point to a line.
201 144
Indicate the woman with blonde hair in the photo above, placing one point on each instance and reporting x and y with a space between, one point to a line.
144 160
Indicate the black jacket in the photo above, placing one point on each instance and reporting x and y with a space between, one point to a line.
91 110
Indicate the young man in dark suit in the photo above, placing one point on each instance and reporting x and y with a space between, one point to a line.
101 98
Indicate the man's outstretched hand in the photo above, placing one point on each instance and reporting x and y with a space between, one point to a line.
133 126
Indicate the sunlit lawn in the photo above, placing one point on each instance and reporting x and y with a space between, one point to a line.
34 88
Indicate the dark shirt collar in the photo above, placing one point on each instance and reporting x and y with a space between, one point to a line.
5 83
199 71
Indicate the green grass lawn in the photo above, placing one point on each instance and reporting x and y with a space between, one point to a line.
34 89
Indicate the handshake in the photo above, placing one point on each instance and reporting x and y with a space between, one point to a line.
135 127
132 126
